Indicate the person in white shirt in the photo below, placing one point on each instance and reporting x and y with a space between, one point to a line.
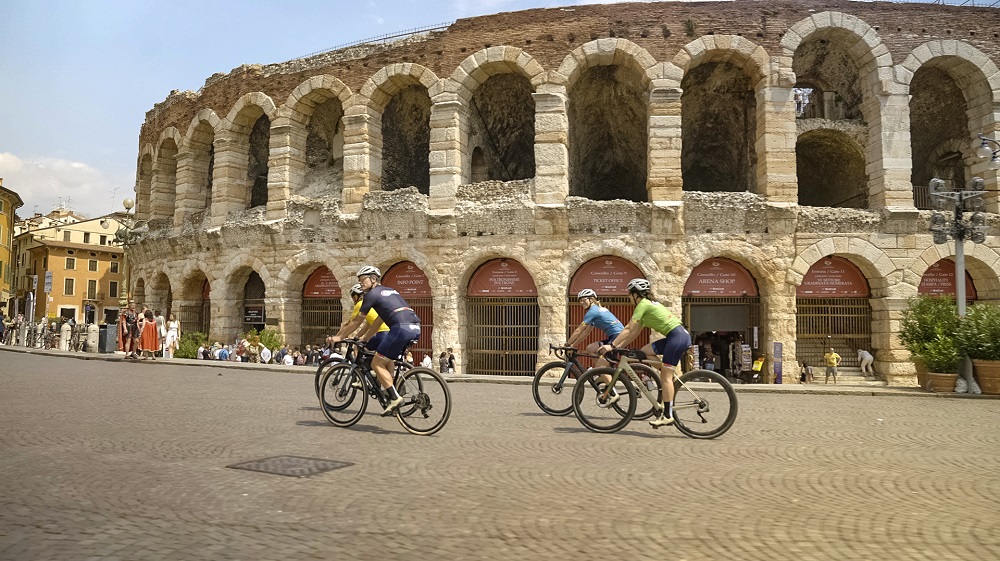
201 351
289 360
866 360
265 355
427 362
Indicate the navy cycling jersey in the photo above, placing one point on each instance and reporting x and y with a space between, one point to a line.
389 306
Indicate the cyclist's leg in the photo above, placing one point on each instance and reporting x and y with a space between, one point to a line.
392 345
672 349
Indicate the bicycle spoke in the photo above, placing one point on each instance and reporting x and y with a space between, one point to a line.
704 404
592 404
426 401
342 398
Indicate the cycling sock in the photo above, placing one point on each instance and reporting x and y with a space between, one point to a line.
668 409
391 392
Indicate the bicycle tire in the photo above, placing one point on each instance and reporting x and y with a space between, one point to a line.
713 394
651 377
593 414
342 403
552 393
320 371
404 386
432 395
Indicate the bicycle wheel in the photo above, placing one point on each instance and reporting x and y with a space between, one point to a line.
555 399
321 369
593 411
426 398
343 398
704 404
651 379
406 387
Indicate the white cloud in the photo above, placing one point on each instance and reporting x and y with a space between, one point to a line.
43 183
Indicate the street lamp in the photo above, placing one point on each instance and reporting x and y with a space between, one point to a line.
130 232
984 151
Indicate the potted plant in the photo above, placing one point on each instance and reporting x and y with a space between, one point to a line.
978 336
928 331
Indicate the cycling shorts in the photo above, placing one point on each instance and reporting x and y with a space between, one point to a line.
673 346
397 338
375 341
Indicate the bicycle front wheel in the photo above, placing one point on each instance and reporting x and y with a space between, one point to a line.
594 410
342 395
704 404
555 398
323 367
426 401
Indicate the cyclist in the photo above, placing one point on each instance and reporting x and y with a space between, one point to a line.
373 337
404 327
596 316
650 313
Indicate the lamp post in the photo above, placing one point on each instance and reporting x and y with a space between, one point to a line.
984 151
128 234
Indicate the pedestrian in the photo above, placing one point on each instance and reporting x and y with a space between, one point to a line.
409 357
866 359
288 359
173 337
832 360
3 327
427 362
253 350
130 332
265 355
451 361
443 362
161 329
200 354
149 335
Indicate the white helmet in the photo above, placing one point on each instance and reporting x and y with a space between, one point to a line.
356 290
639 285
369 270
586 293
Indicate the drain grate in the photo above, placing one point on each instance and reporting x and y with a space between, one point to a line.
291 466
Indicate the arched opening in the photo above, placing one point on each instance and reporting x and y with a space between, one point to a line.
833 310
502 128
164 188
143 188
939 130
721 309
607 134
202 148
608 276
830 168
502 316
828 76
325 151
406 135
260 138
718 129
140 294
411 283
194 310
254 313
939 280
322 309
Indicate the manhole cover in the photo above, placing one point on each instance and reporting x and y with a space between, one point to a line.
292 466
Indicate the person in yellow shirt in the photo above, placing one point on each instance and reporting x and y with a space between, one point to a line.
832 360
357 294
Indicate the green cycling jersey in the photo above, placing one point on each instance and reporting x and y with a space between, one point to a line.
655 316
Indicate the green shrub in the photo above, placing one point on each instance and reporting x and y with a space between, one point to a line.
928 331
941 355
270 338
189 343
978 334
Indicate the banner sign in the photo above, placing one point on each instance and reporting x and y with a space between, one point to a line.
502 277
721 278
833 277
940 279
321 284
408 279
607 276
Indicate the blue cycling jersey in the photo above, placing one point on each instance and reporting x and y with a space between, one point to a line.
389 306
602 318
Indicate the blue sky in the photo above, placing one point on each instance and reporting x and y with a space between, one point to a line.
79 76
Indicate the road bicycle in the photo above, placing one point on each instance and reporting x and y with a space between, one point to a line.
704 402
349 356
346 387
557 398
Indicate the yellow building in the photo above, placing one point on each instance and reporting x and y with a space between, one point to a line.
68 267
9 203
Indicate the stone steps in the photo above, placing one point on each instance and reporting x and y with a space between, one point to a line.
846 377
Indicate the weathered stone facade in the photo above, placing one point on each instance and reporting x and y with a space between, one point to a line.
665 134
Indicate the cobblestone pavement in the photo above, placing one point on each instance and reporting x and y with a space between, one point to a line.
112 460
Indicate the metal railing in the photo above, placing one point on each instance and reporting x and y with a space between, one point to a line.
382 39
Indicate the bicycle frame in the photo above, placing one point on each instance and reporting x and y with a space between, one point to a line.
624 366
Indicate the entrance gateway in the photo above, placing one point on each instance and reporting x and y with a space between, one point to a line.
833 310
608 276
502 318
322 309
411 283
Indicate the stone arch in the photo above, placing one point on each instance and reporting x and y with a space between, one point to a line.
884 278
139 293
297 269
608 83
159 293
478 67
583 252
144 182
830 168
195 167
246 130
192 309
981 262
722 97
764 268
236 272
163 188
316 136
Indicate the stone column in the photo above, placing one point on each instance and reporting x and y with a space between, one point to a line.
188 201
286 164
892 361
280 317
162 189
227 315
362 159
888 152
230 192
776 138
448 157
778 324
551 147
664 181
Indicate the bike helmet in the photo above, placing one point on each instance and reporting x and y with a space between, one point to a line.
356 290
586 293
639 285
369 270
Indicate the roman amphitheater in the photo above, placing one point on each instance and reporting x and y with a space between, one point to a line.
764 164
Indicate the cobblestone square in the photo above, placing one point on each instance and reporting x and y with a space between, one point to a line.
114 460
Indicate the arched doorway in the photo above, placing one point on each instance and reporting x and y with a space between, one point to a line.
832 311
322 309
608 276
939 280
721 309
254 313
502 315
411 282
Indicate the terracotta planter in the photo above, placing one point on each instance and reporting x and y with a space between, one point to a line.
988 375
941 382
921 373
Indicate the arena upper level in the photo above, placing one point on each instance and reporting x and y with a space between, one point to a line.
771 134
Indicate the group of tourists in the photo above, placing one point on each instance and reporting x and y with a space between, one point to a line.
147 334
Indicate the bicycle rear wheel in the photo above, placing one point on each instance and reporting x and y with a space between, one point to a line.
343 398
651 379
555 398
593 411
704 404
426 401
